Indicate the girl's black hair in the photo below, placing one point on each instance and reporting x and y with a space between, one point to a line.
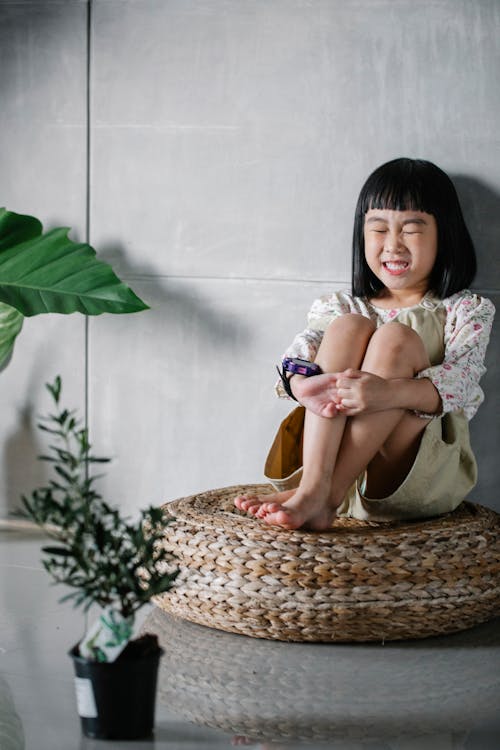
418 185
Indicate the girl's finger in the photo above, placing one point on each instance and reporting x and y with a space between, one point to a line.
351 373
348 411
346 381
347 403
344 392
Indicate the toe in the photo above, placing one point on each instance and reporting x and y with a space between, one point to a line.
284 518
266 508
244 501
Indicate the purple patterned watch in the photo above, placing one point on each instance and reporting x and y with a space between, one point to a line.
301 367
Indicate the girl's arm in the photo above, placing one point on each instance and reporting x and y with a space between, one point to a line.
323 310
359 392
449 386
420 395
467 332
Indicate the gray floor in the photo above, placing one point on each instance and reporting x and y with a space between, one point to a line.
219 690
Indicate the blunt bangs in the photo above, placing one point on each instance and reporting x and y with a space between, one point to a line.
399 187
416 185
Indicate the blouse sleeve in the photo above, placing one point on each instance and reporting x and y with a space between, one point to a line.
305 345
467 331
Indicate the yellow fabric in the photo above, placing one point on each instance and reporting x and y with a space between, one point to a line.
428 322
285 456
444 470
442 475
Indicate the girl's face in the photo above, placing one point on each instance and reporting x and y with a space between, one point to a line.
401 249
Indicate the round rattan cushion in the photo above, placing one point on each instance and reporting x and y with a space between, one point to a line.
361 581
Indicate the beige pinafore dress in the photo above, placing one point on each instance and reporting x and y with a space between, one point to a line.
444 470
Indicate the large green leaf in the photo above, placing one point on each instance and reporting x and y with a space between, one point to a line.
42 273
11 322
15 228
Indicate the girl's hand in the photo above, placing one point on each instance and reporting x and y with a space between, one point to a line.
318 393
360 392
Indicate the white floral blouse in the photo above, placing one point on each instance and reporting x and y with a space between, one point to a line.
467 328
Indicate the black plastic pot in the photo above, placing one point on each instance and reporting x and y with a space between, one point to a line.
117 700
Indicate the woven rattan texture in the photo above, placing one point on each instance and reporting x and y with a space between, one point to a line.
358 582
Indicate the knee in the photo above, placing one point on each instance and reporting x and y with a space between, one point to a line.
349 330
345 342
396 340
351 324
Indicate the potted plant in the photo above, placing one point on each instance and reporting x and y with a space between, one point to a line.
49 273
107 561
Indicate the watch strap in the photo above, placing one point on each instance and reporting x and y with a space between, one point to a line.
286 383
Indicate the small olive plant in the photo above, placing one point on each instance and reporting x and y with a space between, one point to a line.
105 558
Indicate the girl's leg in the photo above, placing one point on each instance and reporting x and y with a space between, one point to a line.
386 442
344 345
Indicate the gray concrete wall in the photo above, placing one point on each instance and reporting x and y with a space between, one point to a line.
228 141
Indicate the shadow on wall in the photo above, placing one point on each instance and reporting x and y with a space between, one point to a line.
183 303
178 308
20 459
481 207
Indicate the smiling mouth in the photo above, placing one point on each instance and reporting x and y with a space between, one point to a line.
396 267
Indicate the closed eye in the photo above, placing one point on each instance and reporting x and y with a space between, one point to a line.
413 227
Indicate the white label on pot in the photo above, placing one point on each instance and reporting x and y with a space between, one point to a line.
85 700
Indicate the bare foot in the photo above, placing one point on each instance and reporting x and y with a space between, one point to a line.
304 509
251 503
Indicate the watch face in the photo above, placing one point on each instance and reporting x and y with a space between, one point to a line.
301 366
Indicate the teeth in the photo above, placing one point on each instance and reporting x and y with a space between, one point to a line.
395 266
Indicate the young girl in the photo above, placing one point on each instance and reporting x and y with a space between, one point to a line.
399 360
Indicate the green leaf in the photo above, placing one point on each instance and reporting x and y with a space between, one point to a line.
65 475
15 228
49 429
55 388
61 551
11 322
95 550
42 273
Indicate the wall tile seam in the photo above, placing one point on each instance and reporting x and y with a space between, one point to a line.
88 198
267 279
118 125
36 3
